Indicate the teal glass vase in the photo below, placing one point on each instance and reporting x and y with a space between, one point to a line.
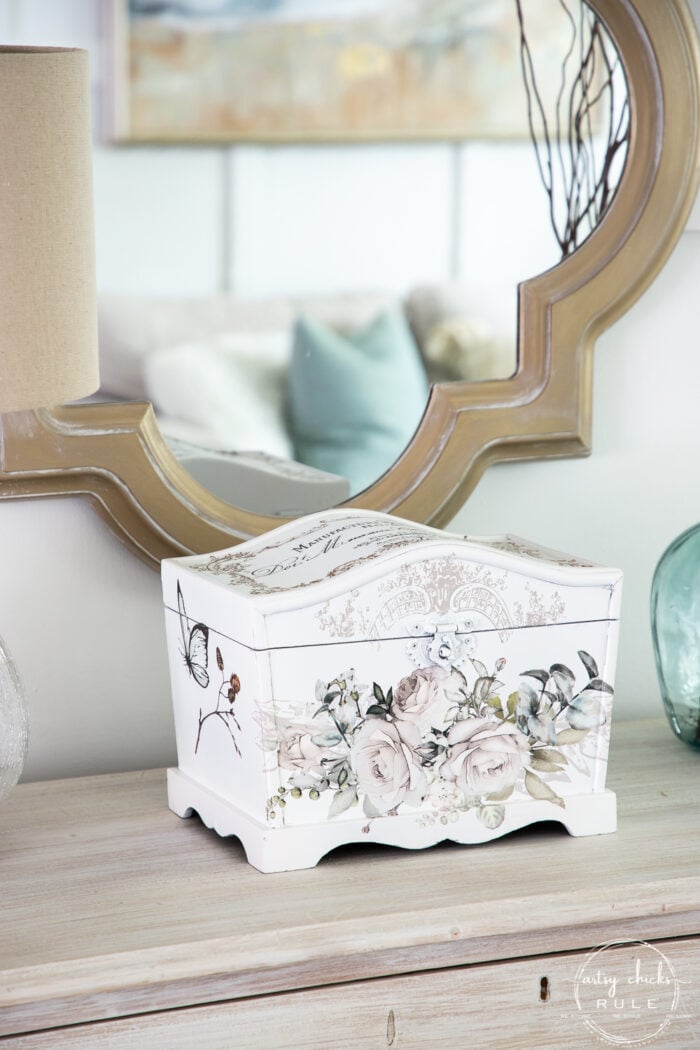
675 626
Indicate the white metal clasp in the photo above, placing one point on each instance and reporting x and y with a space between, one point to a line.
442 644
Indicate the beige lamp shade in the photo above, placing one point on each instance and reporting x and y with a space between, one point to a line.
48 313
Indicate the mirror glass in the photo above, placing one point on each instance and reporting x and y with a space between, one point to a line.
501 124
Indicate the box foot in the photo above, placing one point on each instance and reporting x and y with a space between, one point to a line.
292 847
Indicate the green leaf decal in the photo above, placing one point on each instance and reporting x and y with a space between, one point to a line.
537 788
564 681
329 739
599 686
541 675
589 663
547 754
562 669
491 816
543 766
571 736
342 800
369 809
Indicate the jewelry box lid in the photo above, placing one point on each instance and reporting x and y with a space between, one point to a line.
360 575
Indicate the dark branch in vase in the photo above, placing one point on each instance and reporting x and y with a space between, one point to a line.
581 140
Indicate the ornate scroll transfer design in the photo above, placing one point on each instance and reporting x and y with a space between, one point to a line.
443 578
514 545
537 612
485 601
440 589
380 537
346 620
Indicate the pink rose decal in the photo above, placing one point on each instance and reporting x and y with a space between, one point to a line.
387 770
415 695
297 751
427 697
485 757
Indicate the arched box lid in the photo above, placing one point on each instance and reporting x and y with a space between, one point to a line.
353 575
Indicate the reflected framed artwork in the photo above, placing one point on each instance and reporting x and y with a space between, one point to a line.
326 70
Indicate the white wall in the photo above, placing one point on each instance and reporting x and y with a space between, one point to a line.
83 617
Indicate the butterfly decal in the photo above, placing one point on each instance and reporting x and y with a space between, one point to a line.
195 644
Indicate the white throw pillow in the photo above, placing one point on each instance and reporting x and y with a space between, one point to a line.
231 387
132 327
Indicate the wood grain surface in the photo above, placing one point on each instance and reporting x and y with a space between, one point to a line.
520 1005
111 905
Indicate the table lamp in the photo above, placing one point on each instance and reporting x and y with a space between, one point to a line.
48 312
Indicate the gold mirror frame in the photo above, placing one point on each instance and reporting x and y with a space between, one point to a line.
115 455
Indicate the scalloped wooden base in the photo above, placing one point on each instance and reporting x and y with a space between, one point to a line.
271 849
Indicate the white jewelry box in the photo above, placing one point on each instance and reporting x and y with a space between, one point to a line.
354 677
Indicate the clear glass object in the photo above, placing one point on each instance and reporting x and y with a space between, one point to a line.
14 724
675 625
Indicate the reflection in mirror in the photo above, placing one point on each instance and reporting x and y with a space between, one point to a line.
581 133
292 399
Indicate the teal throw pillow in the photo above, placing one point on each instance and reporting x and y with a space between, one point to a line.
355 401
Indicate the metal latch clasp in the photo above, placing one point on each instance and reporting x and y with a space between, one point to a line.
442 644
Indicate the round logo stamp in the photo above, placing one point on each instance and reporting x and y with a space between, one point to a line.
627 992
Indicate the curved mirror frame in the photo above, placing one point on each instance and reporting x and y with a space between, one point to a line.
115 455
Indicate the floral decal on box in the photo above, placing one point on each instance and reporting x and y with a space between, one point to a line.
195 654
439 740
223 711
